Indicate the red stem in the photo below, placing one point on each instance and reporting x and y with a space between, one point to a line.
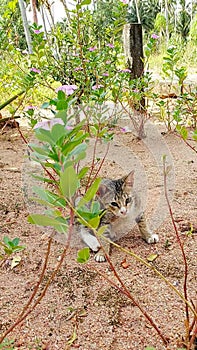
21 317
179 241
24 314
126 292
187 143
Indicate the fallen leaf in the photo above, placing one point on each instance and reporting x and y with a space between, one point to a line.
82 313
125 264
15 261
72 338
152 257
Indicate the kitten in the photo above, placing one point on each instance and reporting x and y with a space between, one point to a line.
122 205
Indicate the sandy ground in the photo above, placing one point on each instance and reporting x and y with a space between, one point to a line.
81 308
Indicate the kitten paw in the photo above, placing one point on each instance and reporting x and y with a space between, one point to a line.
99 257
154 238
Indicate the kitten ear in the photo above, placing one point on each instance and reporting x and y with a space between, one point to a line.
102 190
129 179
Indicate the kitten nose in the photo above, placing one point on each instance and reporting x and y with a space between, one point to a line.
123 211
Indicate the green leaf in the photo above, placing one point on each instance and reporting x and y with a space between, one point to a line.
41 150
152 257
93 130
63 115
58 130
83 172
95 207
8 251
6 240
69 182
49 197
78 149
7 345
77 140
80 156
62 105
90 193
184 133
18 248
61 95
94 222
83 255
15 241
149 348
194 135
101 230
44 135
45 105
44 220
86 2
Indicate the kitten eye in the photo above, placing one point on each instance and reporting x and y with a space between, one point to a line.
115 204
128 200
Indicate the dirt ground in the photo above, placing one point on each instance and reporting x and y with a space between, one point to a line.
81 309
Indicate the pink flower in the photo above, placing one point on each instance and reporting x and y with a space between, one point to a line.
97 86
136 90
37 31
124 1
106 74
78 68
110 45
28 108
35 70
92 48
48 124
68 89
108 62
125 129
155 36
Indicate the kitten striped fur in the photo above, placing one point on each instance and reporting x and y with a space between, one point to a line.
121 203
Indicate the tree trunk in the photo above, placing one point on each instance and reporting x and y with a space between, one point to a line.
25 25
34 11
136 50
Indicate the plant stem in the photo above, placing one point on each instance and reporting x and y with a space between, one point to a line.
101 164
126 292
21 316
7 119
144 262
24 314
194 335
188 144
179 242
26 142
6 103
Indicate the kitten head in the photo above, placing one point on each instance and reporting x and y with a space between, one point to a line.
116 195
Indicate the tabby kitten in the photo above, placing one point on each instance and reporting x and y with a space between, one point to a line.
122 207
